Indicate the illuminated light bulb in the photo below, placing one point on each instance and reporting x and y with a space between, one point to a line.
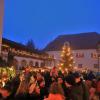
11 69
66 69
64 48
59 68
75 68
74 62
70 65
23 71
62 64
68 49
62 55
42 70
71 57
63 72
63 51
68 54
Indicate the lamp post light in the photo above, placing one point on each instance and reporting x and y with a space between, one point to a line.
98 55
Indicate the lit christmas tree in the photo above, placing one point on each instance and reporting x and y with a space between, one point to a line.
66 58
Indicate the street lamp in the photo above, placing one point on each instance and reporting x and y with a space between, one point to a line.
98 54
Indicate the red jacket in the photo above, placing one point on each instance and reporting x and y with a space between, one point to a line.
98 87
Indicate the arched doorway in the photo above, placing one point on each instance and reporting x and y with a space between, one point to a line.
15 63
31 63
42 64
23 63
36 64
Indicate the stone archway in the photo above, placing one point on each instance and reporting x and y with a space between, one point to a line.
31 63
42 64
23 63
15 63
36 64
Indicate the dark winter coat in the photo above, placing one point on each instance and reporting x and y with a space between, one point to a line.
80 92
43 92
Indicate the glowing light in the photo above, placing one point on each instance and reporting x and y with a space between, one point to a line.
63 72
42 70
68 49
66 69
64 48
70 65
59 68
62 55
75 68
62 64
71 57
74 62
11 69
68 54
63 51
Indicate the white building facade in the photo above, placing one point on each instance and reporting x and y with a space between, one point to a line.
84 59
22 61
21 56
84 50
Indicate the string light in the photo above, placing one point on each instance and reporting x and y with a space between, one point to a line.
60 68
63 51
62 55
71 57
68 54
68 49
73 62
66 69
62 64
70 65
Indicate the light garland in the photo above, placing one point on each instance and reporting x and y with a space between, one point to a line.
8 72
66 63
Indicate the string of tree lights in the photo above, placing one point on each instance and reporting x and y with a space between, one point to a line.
66 57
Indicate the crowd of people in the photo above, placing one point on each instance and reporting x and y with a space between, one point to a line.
51 85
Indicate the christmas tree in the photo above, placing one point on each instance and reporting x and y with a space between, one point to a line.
66 57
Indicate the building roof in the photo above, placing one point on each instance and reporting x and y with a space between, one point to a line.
19 46
77 41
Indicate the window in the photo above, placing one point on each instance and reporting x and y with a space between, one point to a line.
80 65
93 55
95 65
49 63
42 64
79 55
36 64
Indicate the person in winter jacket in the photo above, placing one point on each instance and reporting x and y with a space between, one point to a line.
56 92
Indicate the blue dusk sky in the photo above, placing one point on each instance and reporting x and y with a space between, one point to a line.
44 20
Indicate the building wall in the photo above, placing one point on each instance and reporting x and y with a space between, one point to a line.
18 60
27 60
86 60
21 60
1 20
